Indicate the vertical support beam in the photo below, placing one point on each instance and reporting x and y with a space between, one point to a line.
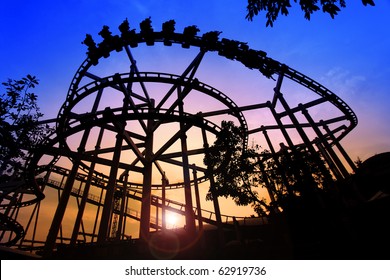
104 228
35 213
60 211
125 217
217 210
269 143
323 140
163 198
60 231
277 90
134 70
281 126
304 137
296 123
157 212
120 231
97 214
146 199
92 168
190 217
35 224
197 199
275 158
333 168
270 187
10 210
86 192
338 145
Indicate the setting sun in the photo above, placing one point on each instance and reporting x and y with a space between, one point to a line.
172 220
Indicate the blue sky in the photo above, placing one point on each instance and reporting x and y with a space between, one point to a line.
349 55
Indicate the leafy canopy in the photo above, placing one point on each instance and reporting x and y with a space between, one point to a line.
275 7
240 173
234 169
19 128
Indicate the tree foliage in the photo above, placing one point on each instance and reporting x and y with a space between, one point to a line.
234 169
274 8
240 173
19 128
295 174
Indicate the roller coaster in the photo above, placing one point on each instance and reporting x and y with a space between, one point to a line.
122 138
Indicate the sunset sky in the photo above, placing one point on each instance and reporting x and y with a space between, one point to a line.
349 54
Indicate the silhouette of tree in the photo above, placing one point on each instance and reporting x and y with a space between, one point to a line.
298 175
19 128
275 7
235 169
289 176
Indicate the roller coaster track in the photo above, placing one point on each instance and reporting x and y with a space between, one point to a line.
80 123
12 197
170 205
113 80
9 224
100 180
209 41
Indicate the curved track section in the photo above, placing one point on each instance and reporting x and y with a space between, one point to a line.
55 148
16 230
208 42
144 77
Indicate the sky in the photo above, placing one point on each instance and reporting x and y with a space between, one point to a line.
349 54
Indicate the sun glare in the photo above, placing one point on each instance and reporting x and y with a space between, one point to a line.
172 220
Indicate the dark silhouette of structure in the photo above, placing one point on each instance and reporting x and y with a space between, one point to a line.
120 137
